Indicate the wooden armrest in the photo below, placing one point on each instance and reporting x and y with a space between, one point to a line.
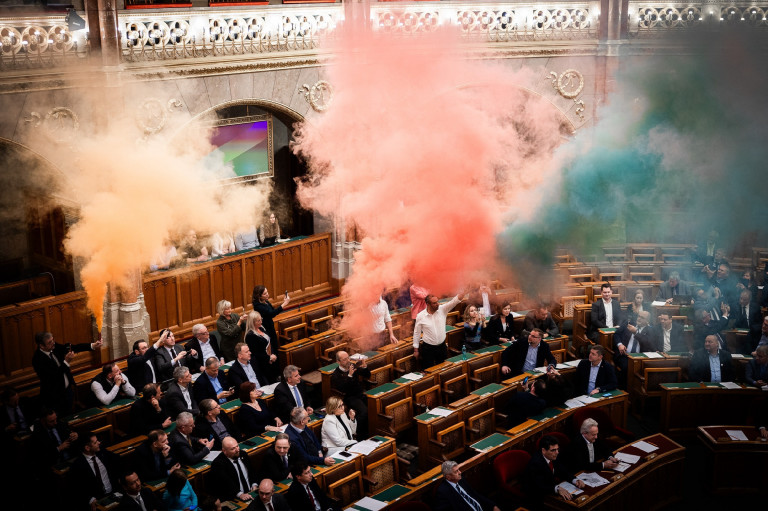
387 417
640 376
473 430
403 461
476 380
370 481
324 360
439 444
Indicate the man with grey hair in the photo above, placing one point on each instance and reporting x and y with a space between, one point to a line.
185 448
585 449
180 397
454 494
671 288
204 346
304 441
212 384
290 393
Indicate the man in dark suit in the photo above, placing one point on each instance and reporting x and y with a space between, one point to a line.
711 363
140 370
51 441
595 375
526 403
211 423
747 315
605 313
51 363
304 493
204 346
212 384
169 356
153 457
269 500
304 440
706 325
149 412
545 471
242 370
667 336
524 356
347 379
93 471
586 449
286 398
136 498
185 448
756 372
180 396
230 476
541 318
671 288
14 416
455 494
276 464
631 338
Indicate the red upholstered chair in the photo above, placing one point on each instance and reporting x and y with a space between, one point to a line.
613 435
562 440
507 467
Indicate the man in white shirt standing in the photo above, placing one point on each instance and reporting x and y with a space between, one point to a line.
382 323
430 329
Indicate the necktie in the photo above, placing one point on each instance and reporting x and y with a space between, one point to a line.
98 475
140 501
551 466
285 461
469 500
269 507
632 344
243 481
297 396
311 498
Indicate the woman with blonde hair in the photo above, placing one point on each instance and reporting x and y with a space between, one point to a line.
230 328
263 353
474 324
339 430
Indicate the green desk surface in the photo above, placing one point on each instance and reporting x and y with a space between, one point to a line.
490 349
462 357
85 414
231 404
491 441
170 428
546 414
637 355
712 385
683 385
401 310
329 368
392 493
370 354
678 354
382 389
120 402
406 381
611 393
198 466
606 330
270 434
159 483
488 389
449 328
378 438
257 441
427 416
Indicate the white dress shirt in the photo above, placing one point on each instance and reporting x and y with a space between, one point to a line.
430 328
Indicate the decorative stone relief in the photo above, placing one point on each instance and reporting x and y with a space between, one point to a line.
569 85
319 95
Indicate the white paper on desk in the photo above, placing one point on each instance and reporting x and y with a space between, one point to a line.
268 389
195 377
212 456
413 376
230 363
365 447
593 479
562 366
627 458
730 385
572 363
442 412
573 403
338 455
622 467
645 446
736 434
658 303
358 356
570 488
652 354
516 314
369 503
586 399
737 355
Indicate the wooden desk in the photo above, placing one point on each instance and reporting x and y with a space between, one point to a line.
92 418
606 341
686 406
653 482
735 466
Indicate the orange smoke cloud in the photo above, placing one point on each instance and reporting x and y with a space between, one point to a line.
428 152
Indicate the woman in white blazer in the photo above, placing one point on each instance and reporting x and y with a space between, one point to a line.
338 429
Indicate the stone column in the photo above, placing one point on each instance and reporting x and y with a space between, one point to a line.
125 316
102 30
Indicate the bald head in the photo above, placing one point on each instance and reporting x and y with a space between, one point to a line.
342 357
230 448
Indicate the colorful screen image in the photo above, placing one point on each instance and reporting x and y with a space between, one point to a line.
245 149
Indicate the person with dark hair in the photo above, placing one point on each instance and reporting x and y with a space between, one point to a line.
595 375
525 355
51 441
231 476
140 370
429 331
51 363
269 231
545 471
254 415
527 402
180 396
13 419
261 304
242 370
605 312
109 384
541 318
747 316
178 494
500 326
279 459
136 498
149 413
211 423
706 325
93 473
153 457
304 494
171 356
667 336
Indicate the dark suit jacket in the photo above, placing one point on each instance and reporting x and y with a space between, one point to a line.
522 405
701 331
203 389
203 429
84 481
151 502
606 377
699 369
666 292
195 363
676 339
623 335
753 321
306 444
495 329
144 417
236 376
539 480
577 454
224 479
146 466
448 499
44 446
548 325
52 388
272 466
597 315
163 367
350 387
284 401
139 373
175 403
279 503
298 498
259 356
514 356
183 452
752 372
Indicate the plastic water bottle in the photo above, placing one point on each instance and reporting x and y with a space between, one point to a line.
463 351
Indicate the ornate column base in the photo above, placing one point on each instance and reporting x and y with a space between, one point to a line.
124 324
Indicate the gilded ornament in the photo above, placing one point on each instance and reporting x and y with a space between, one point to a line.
319 96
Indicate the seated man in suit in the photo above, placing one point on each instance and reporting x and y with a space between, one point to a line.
51 442
204 346
347 379
671 288
304 440
13 417
605 313
524 356
269 500
140 370
631 338
668 336
706 325
595 375
747 315
455 494
93 471
277 461
136 498
541 318
212 384
304 494
585 450
185 448
290 394
211 423
149 413
231 476
153 457
527 402
110 384
545 471
170 356
180 396
242 370
711 363
756 372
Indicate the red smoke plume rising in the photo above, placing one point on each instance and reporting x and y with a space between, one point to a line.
427 151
